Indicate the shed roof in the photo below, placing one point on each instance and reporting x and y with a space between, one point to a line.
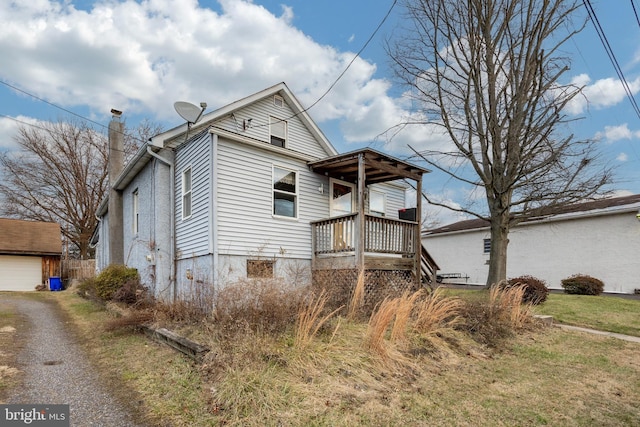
593 207
379 167
20 237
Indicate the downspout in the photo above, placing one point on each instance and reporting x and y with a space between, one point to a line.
172 248
214 209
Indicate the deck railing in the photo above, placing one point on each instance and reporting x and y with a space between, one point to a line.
381 235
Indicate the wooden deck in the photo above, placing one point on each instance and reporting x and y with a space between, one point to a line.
389 245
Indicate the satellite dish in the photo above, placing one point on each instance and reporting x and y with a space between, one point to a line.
190 112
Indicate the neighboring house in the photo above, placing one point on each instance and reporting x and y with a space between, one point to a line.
30 253
600 238
255 189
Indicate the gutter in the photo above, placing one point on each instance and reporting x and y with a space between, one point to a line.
172 278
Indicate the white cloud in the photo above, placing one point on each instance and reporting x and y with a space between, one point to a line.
622 157
141 57
602 93
8 129
612 134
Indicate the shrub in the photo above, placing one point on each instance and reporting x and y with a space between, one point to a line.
266 305
133 293
581 284
535 290
104 286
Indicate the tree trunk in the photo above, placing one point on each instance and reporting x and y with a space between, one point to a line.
498 254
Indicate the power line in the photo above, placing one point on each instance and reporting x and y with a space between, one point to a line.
356 56
50 131
612 57
635 12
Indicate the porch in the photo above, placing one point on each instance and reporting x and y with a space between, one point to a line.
362 243
389 244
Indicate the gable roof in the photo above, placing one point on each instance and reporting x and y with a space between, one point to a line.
167 139
20 237
586 209
174 137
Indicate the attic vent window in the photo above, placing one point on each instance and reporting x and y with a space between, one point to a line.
278 101
278 131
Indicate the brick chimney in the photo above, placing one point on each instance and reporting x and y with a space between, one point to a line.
115 165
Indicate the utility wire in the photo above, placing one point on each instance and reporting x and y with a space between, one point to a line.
612 57
60 108
635 12
332 85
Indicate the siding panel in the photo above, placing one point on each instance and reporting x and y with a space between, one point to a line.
192 234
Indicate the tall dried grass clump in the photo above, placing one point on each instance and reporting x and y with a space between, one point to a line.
357 297
310 319
506 303
378 325
436 311
404 308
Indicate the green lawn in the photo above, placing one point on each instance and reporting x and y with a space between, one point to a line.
605 313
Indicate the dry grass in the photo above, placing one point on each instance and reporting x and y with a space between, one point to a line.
310 320
440 376
377 328
436 311
404 308
506 304
267 305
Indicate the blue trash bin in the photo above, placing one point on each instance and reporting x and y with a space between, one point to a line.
55 284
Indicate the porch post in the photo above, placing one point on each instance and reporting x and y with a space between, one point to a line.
418 240
360 222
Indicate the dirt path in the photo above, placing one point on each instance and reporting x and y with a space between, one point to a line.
55 368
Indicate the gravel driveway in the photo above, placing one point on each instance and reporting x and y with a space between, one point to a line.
56 370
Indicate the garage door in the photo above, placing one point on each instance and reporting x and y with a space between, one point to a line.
20 273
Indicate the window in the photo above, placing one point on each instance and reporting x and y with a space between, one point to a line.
285 192
278 131
278 101
377 203
259 268
136 212
186 193
487 245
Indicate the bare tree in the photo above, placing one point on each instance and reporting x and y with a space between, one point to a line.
487 73
59 174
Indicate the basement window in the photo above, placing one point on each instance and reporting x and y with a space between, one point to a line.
260 268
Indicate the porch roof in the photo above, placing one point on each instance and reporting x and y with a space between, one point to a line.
379 167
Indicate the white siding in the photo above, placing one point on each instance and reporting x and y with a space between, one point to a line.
298 137
394 196
605 247
245 191
192 233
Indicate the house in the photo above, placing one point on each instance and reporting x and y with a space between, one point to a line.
30 253
600 238
255 189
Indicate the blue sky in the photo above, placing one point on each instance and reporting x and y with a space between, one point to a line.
139 57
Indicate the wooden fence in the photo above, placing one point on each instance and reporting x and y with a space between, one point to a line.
78 268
